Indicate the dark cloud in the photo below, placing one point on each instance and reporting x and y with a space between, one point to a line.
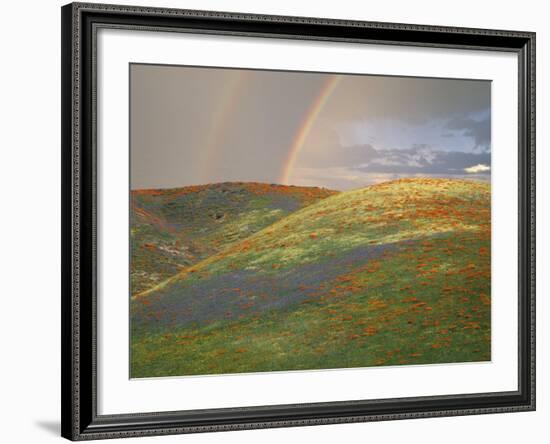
478 130
421 160
414 100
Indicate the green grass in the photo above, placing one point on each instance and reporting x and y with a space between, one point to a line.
426 300
172 229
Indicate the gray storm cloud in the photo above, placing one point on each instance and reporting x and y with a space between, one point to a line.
478 130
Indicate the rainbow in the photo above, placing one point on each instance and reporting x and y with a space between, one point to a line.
219 120
307 125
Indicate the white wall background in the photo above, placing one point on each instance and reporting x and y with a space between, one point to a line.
30 221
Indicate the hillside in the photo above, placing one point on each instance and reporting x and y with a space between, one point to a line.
172 229
396 273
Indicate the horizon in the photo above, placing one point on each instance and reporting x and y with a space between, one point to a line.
408 178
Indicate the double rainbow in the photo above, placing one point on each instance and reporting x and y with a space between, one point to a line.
219 121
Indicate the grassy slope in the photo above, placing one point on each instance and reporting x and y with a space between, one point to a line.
175 228
397 273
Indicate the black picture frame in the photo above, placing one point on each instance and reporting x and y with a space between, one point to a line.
80 420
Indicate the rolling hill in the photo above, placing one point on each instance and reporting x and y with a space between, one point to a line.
395 273
172 229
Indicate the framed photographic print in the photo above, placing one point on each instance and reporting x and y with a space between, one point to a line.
279 221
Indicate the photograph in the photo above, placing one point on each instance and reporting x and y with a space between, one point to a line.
294 220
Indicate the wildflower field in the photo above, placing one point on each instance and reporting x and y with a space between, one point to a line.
245 277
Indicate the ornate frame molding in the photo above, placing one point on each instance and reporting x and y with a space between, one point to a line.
80 22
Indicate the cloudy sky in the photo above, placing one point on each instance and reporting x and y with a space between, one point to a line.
193 126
